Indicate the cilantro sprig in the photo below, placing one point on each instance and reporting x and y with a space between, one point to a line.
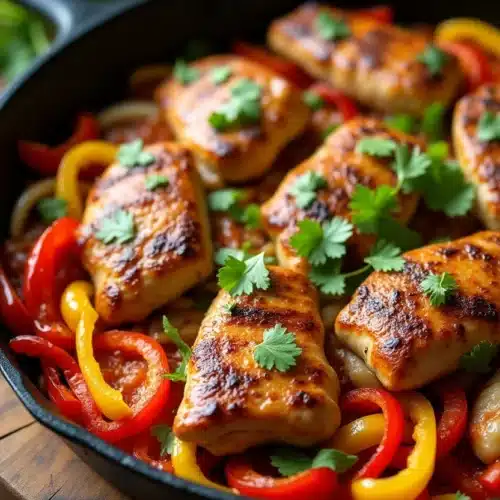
313 100
132 154
166 437
184 73
488 127
376 146
330 27
479 359
230 201
305 187
221 74
434 58
290 461
119 227
438 287
155 181
278 349
179 375
243 276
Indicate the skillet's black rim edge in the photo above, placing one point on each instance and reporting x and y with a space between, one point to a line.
13 375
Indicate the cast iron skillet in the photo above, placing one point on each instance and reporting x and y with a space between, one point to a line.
86 68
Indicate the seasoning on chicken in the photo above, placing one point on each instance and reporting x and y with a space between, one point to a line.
236 122
477 147
406 340
343 169
230 402
485 422
144 244
380 65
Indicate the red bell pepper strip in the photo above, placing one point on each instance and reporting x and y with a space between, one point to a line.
361 400
381 13
53 253
319 484
45 159
473 61
490 478
145 410
334 97
286 69
60 395
12 310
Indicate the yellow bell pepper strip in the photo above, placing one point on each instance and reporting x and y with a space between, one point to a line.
185 465
81 317
483 34
78 158
410 482
360 434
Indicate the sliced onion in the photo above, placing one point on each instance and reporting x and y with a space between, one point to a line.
126 112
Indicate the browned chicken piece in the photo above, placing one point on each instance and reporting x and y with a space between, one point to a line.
230 402
485 422
169 250
406 341
375 63
343 169
479 159
239 153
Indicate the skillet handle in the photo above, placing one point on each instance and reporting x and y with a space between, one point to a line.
70 16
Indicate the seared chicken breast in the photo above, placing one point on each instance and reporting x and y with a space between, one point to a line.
343 168
230 402
485 422
479 159
168 247
377 64
407 342
238 153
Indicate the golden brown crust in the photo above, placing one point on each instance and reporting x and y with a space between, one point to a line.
479 160
377 64
234 155
391 324
344 169
171 250
231 403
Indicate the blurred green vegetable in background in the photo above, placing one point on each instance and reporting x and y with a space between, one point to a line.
23 36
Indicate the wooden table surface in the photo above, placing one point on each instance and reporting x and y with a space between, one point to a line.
36 465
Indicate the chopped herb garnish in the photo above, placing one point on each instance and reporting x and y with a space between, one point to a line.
184 73
221 74
222 254
438 287
328 130
330 27
277 350
376 146
224 200
462 496
479 359
305 187
409 166
403 123
165 437
243 276
51 209
179 375
229 307
488 127
132 155
251 216
154 181
118 227
434 58
244 107
432 125
313 100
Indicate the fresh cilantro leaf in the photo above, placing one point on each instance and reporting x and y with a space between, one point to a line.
305 187
118 227
241 277
165 437
462 496
478 360
328 278
438 150
438 287
290 461
330 27
221 74
184 73
432 125
434 58
328 130
404 123
154 181
390 229
319 242
251 216
409 166
224 199
132 155
488 127
179 375
243 108
222 254
313 100
370 206
277 350
51 209
385 257
376 146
